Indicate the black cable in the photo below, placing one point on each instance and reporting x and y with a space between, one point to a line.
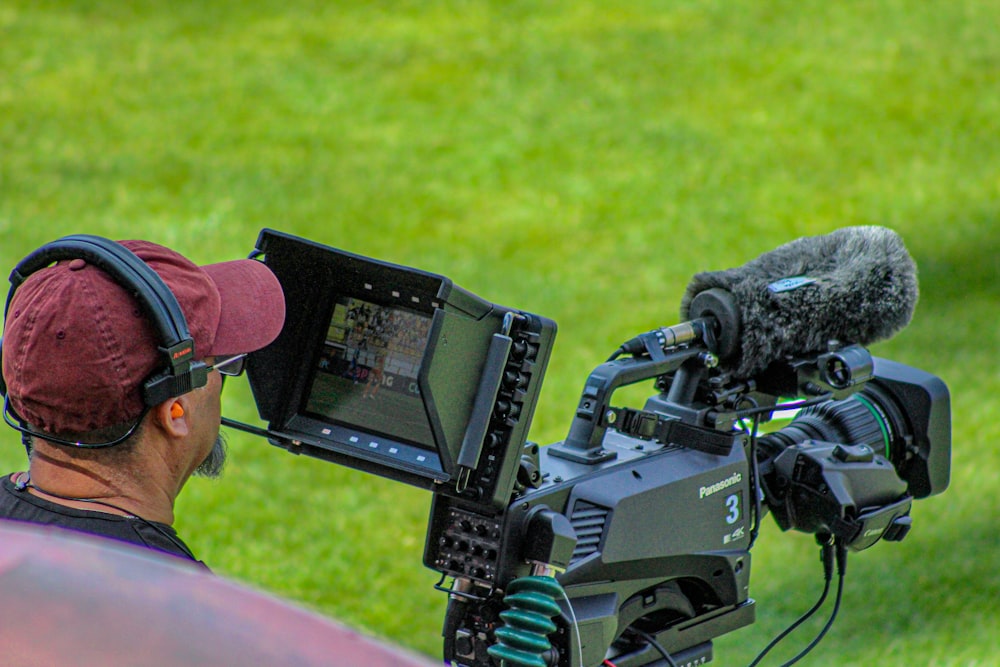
826 555
755 412
755 482
841 572
648 638
794 405
15 421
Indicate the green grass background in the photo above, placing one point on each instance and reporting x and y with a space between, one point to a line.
579 159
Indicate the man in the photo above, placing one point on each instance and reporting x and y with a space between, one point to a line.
77 349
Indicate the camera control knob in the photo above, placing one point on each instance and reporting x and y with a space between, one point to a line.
513 379
853 453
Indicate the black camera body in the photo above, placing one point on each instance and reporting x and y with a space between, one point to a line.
645 517
658 537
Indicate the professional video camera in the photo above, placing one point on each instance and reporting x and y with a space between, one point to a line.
628 543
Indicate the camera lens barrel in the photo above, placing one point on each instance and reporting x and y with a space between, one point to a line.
855 420
903 413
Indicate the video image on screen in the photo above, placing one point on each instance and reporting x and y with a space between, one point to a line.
368 369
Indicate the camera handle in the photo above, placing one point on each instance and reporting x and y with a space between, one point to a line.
584 443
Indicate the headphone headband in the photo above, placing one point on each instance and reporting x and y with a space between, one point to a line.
182 373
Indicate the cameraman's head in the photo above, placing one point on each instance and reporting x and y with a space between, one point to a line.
78 348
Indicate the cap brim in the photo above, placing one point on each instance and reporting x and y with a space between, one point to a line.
253 306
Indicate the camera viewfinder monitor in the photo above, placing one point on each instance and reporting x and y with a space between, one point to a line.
397 371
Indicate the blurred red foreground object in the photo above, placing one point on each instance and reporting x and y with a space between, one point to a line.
75 600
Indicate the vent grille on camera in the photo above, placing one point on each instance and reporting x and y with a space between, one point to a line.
588 521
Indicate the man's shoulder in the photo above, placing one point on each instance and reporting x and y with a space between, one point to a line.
17 504
10 498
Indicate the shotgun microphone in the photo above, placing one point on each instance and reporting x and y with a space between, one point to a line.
856 285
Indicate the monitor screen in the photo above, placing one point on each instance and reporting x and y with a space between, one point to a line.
368 369
393 370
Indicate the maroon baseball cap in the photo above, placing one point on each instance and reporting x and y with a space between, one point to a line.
77 346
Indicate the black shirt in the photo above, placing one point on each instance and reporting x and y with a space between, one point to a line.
20 505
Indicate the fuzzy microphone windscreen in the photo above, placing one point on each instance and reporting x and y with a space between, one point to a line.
854 285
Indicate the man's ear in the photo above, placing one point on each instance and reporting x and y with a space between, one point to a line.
171 416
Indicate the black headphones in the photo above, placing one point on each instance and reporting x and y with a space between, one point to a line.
182 373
